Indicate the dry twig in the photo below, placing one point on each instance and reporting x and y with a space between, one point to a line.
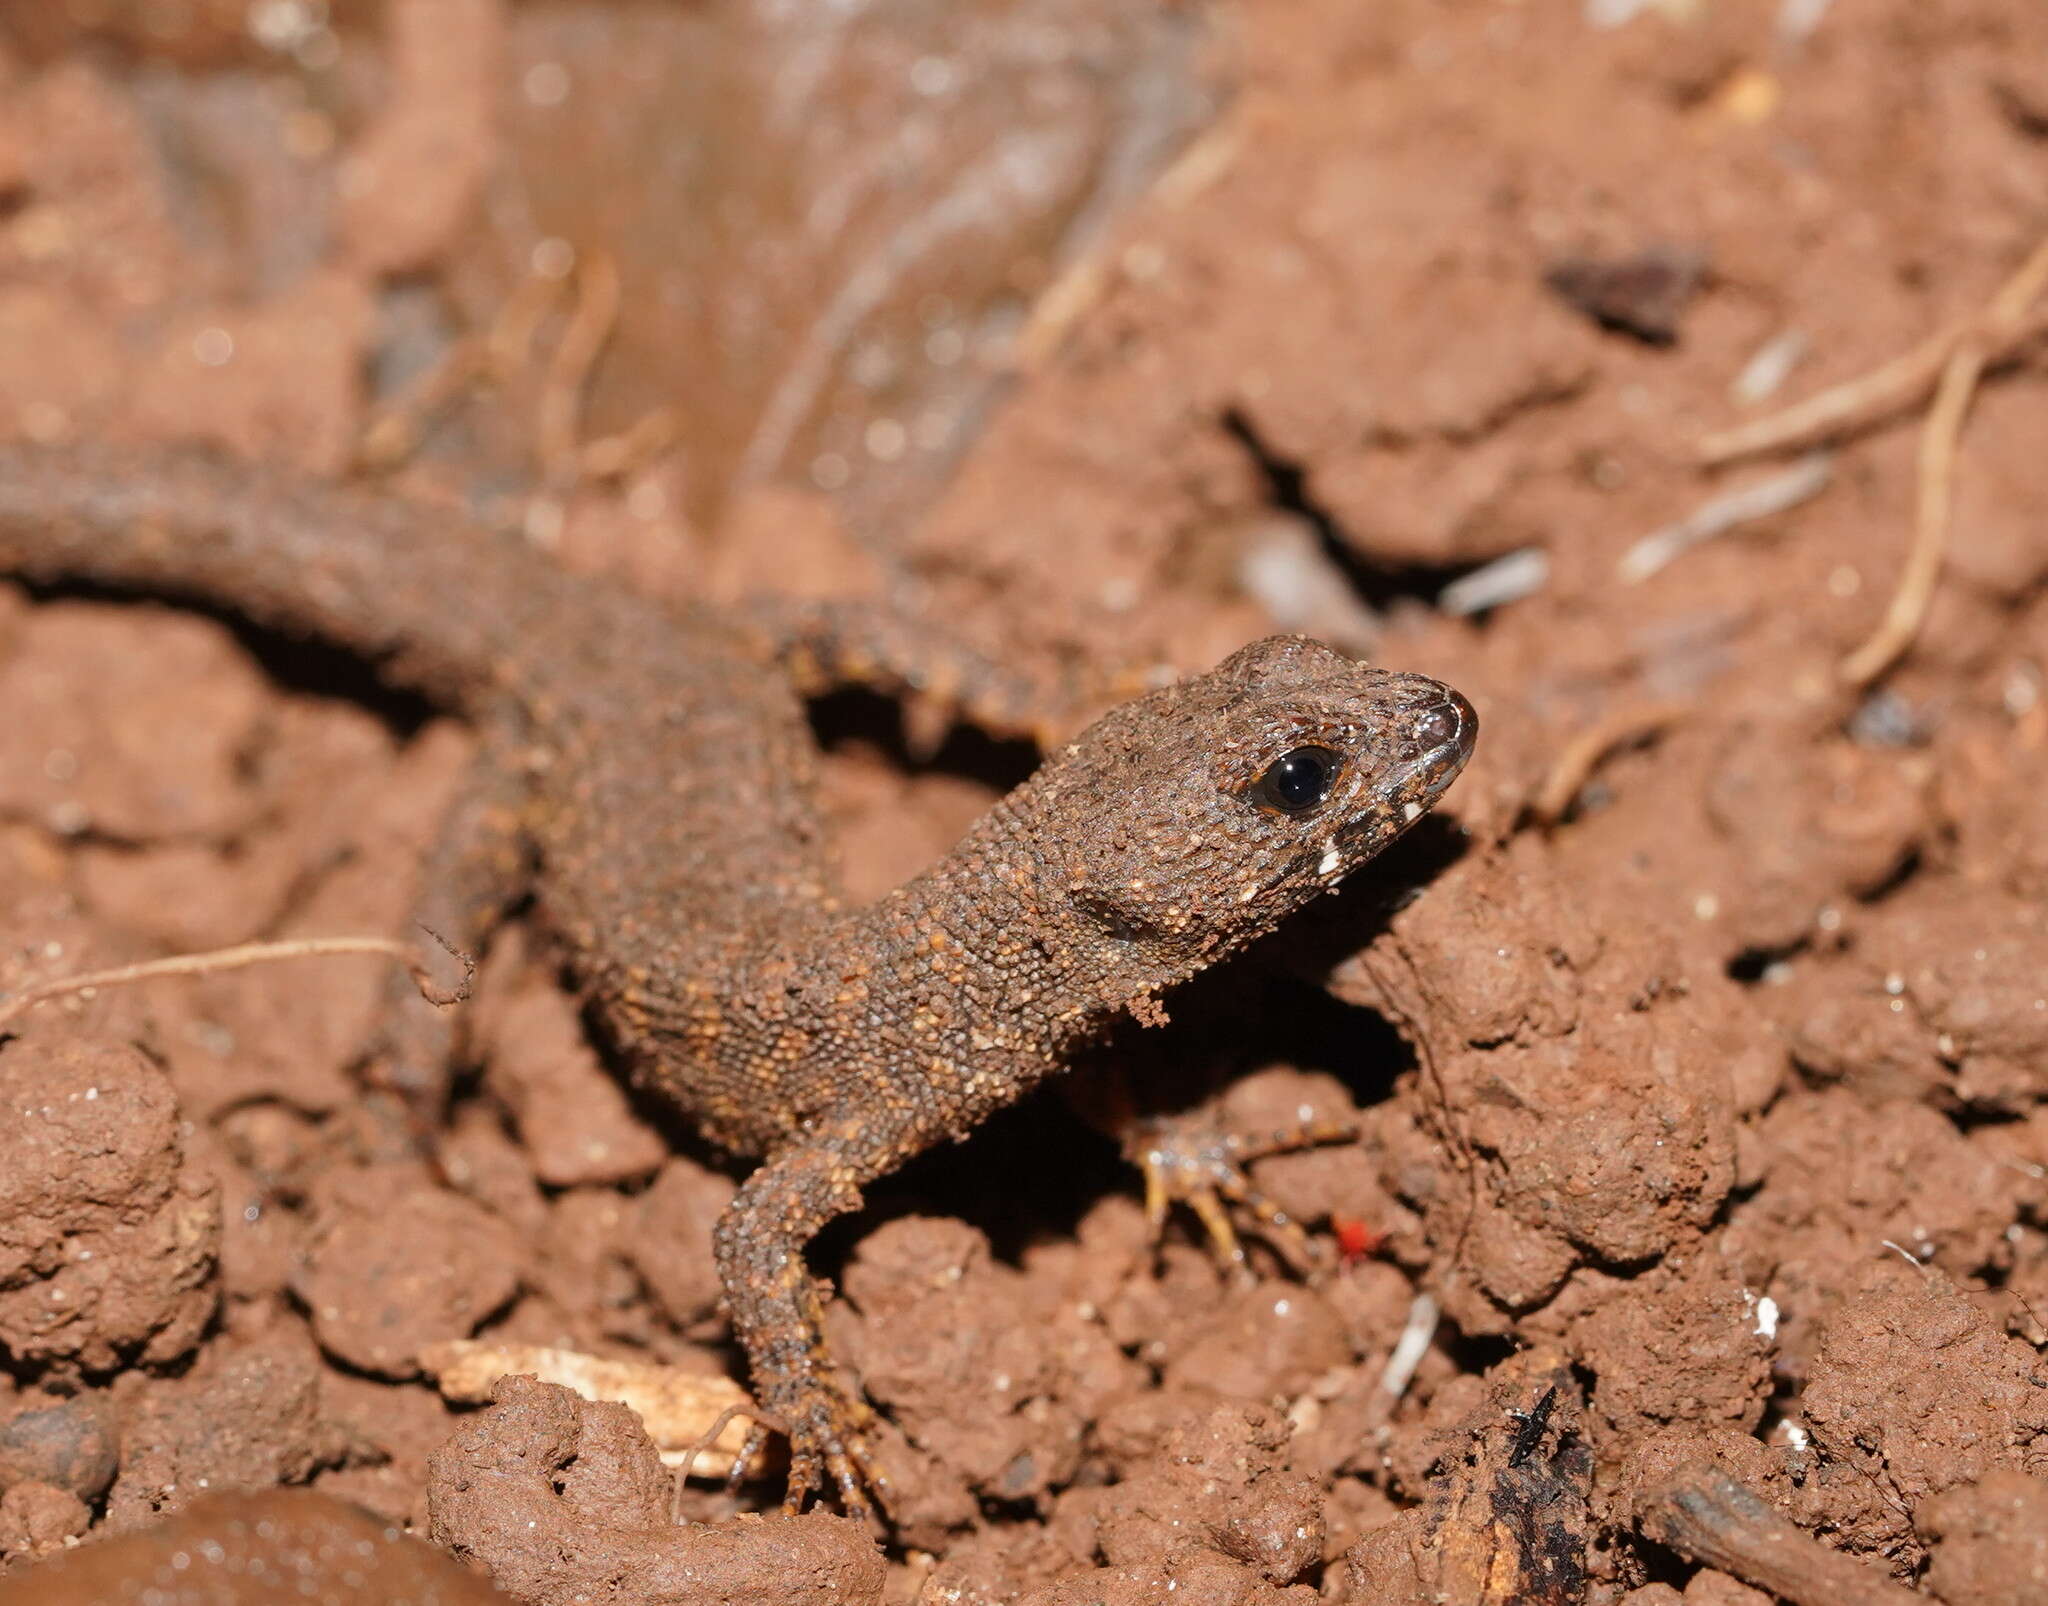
1761 499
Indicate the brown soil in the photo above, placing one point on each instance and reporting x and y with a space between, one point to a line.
1702 1131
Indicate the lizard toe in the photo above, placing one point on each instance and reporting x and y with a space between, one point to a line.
829 1439
1192 1161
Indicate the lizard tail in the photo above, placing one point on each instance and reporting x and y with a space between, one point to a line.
398 583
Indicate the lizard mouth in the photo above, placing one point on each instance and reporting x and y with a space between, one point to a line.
1435 737
1430 741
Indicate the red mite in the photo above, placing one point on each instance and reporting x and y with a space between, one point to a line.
1355 1240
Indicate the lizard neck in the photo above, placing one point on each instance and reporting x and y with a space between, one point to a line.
991 926
937 1004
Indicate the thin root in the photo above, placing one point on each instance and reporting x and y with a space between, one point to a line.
495 358
1939 439
763 1421
236 958
1576 764
614 457
560 407
1896 385
1840 409
395 431
1915 593
510 341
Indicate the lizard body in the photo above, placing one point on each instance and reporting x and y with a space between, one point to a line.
657 775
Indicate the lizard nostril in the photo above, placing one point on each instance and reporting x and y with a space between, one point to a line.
1439 727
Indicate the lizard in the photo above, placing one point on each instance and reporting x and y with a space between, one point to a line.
648 775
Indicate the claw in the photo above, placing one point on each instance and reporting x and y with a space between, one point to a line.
846 1473
750 1448
1216 1222
803 1478
828 1439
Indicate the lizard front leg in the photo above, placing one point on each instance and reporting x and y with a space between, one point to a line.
777 1309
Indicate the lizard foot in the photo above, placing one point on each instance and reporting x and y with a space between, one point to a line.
1190 1160
829 1429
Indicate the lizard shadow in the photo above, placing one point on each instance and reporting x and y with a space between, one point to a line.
1031 1173
301 665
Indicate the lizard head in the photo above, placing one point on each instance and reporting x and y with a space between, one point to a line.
1196 817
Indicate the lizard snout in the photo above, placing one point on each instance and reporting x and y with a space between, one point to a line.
1447 727
1427 727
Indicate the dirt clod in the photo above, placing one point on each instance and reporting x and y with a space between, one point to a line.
70 1444
1915 1383
255 1550
251 1417
389 1274
107 1236
554 1496
1990 1540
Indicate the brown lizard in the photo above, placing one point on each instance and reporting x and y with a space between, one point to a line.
656 776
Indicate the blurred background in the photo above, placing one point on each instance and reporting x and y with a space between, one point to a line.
1667 375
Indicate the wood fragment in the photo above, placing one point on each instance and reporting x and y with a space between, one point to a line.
1508 1521
677 1408
1707 1516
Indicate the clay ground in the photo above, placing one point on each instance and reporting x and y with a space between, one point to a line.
1698 1054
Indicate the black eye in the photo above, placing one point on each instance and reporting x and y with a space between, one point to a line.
1299 781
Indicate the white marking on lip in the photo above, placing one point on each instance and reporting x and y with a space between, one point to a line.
1330 860
1411 812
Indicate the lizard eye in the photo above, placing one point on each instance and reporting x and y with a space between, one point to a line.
1296 782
